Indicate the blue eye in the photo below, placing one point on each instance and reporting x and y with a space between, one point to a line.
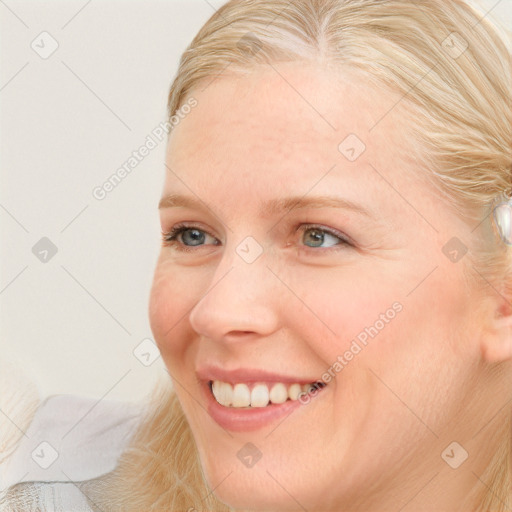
186 238
190 237
194 236
319 236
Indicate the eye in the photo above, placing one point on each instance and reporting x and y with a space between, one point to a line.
317 236
183 236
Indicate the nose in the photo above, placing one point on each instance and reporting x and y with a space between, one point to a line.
242 299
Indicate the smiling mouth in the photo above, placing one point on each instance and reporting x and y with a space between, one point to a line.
254 395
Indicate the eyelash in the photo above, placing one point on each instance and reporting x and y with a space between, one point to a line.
170 238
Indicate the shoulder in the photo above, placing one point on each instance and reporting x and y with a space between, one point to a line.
71 438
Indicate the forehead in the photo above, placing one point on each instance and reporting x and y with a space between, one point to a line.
289 124
290 109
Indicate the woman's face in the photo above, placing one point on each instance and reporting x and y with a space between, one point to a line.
310 257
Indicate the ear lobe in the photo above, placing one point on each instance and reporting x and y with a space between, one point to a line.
496 345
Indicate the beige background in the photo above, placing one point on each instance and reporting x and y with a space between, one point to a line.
69 120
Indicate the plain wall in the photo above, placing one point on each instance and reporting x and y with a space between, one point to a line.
68 122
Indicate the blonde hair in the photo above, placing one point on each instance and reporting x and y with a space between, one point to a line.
463 100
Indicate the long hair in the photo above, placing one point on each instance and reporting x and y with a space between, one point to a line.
160 469
453 66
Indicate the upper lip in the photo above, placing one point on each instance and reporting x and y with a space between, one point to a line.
209 373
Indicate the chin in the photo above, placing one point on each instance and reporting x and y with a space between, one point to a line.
242 493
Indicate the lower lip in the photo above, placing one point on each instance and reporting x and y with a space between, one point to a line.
244 420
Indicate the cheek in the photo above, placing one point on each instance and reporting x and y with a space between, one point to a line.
338 306
388 316
365 323
174 292
426 350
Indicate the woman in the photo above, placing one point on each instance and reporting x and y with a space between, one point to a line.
332 297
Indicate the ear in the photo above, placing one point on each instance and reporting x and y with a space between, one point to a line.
496 342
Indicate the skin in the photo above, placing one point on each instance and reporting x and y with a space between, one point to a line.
373 438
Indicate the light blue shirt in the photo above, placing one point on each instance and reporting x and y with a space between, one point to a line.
70 440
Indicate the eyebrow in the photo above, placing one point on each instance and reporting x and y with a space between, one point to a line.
274 206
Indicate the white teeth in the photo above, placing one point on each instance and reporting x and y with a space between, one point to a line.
307 388
259 396
223 393
278 394
294 391
240 395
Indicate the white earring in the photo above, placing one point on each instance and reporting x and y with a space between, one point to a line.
503 218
